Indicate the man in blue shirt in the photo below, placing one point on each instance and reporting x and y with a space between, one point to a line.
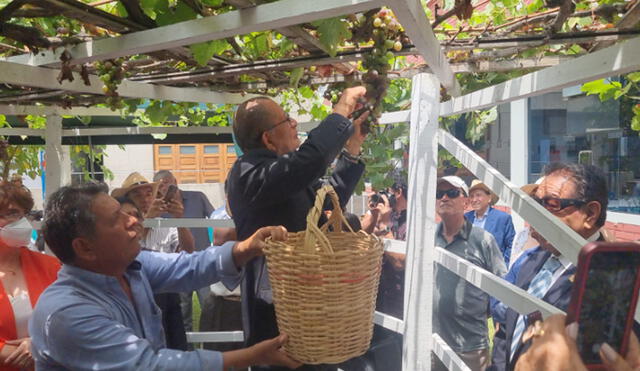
100 312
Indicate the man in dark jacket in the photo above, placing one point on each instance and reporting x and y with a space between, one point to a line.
275 181
577 195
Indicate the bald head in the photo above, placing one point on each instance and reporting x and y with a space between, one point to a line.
252 118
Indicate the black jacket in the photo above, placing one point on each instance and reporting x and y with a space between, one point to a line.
558 295
264 189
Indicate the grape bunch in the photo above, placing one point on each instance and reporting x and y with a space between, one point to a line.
388 36
112 72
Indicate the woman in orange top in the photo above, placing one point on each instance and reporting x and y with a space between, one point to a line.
24 274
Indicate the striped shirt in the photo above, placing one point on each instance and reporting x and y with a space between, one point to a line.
161 240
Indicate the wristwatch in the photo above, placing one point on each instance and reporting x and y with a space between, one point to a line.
351 158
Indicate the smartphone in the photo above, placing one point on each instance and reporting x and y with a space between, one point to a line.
604 298
171 192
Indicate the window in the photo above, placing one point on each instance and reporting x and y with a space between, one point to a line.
164 150
211 149
187 150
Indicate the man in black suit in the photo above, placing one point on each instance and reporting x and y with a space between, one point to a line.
275 181
577 195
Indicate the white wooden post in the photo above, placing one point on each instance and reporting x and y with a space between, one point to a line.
58 165
423 161
519 149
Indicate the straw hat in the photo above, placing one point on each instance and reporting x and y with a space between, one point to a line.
133 181
477 184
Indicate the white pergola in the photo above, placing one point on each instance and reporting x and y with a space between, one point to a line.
40 70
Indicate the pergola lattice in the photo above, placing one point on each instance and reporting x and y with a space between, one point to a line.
31 79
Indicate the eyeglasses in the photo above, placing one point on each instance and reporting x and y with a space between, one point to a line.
286 119
451 193
555 204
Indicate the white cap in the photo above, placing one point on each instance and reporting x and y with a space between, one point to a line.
456 182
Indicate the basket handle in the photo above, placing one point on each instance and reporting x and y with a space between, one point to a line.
314 233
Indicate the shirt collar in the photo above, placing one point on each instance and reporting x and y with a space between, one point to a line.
475 214
94 277
566 262
464 231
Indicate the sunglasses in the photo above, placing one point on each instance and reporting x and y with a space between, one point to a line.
451 193
555 204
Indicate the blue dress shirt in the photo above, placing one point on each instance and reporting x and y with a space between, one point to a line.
85 321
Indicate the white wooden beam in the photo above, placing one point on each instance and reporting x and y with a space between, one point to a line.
447 356
559 234
519 149
54 156
25 75
385 119
20 110
414 20
389 322
421 222
263 17
512 296
618 59
215 337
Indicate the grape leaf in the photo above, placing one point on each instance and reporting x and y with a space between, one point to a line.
213 3
332 32
202 52
180 13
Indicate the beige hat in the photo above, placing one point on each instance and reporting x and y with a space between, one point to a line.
477 184
530 189
456 182
133 181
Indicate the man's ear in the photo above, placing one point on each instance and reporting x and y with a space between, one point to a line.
83 249
592 209
266 141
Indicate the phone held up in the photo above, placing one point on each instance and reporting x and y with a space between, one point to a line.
171 192
604 298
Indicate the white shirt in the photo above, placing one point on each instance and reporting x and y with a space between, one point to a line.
161 240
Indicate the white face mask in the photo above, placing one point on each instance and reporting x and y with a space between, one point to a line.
16 234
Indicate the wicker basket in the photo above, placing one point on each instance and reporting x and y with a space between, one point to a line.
324 286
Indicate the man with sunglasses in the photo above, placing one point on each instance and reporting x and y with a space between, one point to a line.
578 196
460 309
274 183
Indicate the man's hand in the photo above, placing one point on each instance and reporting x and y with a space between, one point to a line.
349 100
556 350
354 143
157 208
21 356
270 352
251 247
175 208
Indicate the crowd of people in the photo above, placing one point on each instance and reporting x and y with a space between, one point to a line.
118 295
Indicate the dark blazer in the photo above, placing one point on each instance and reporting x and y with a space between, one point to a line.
266 189
500 225
558 295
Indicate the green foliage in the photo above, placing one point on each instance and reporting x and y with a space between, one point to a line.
478 122
332 32
202 52
605 89
635 121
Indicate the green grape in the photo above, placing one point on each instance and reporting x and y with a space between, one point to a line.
397 46
377 22
388 44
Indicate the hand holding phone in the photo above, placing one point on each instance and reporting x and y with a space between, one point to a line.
171 192
604 298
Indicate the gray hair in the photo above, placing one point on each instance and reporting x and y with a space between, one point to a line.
590 182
